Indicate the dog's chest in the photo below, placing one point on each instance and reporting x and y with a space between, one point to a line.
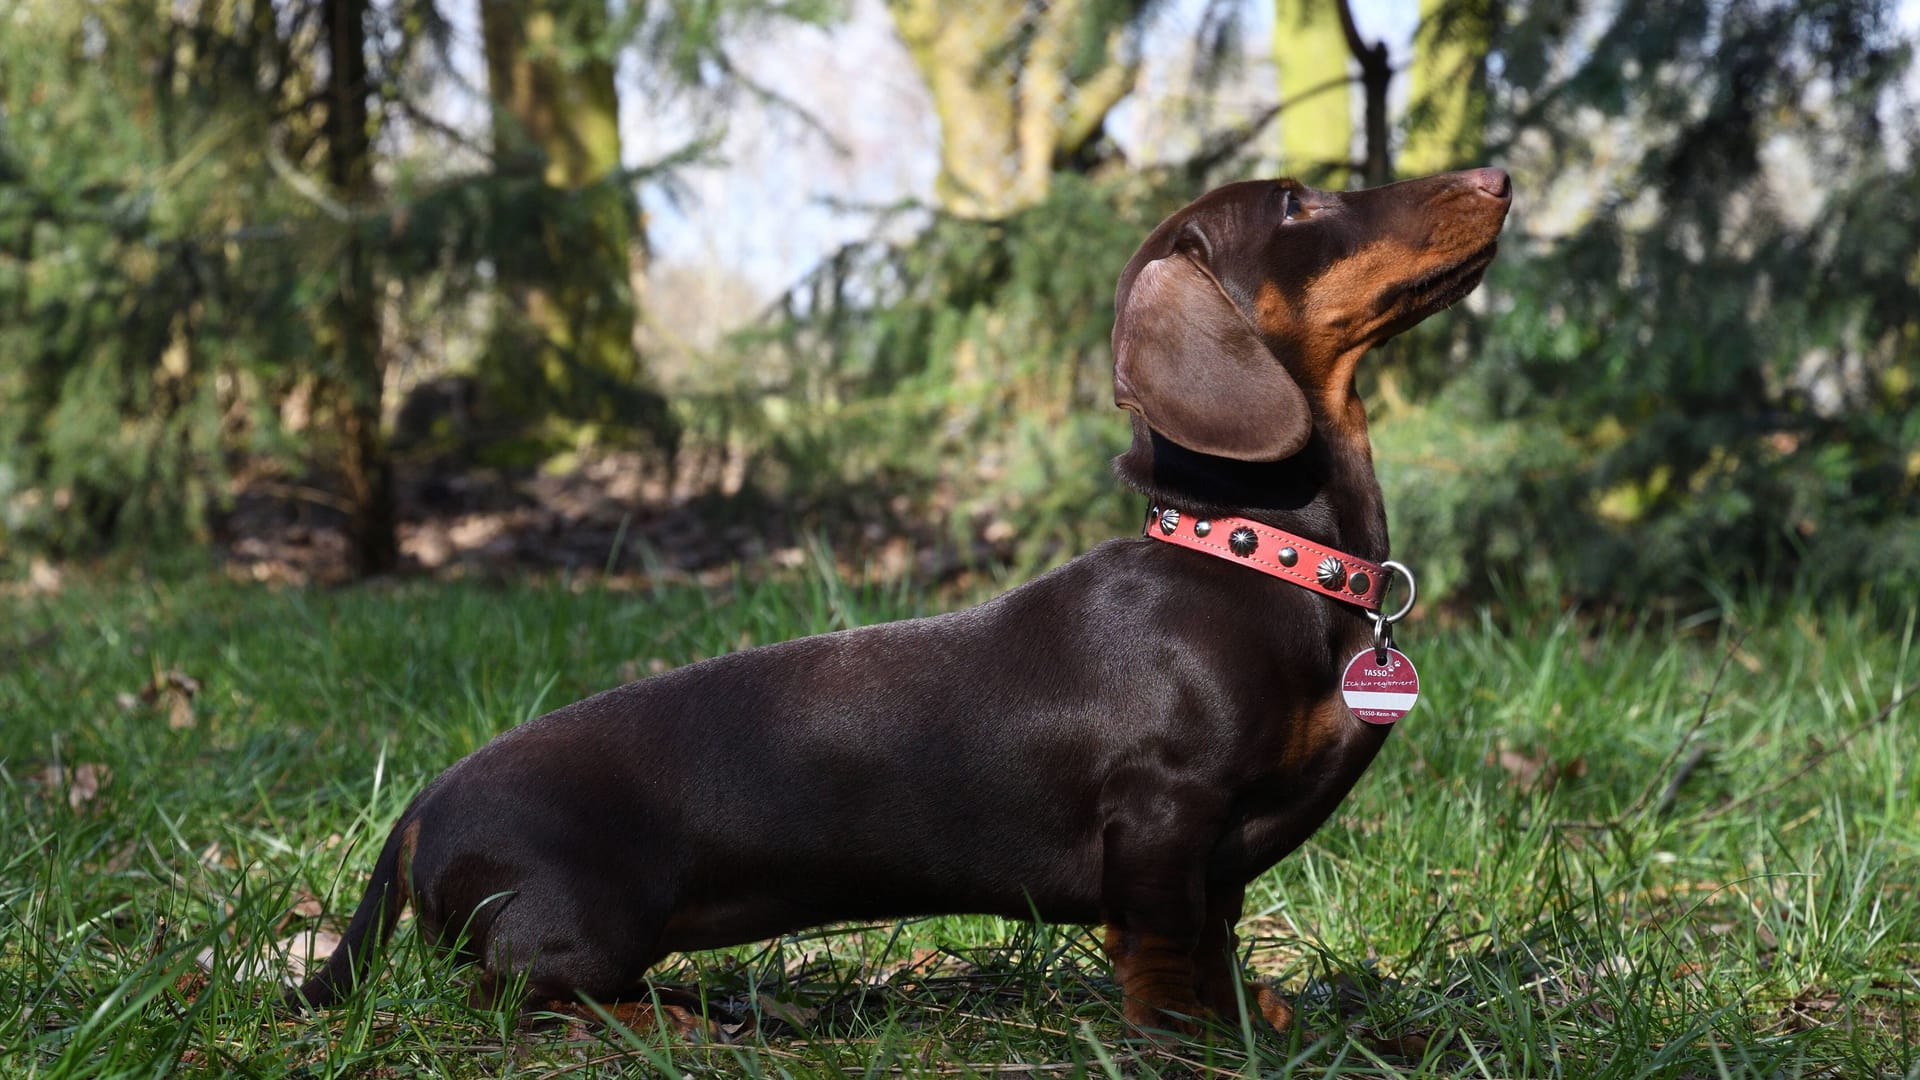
1293 786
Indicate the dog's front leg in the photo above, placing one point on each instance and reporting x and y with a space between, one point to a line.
1154 894
1217 966
1155 972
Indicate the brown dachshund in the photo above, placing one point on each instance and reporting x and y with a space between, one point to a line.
1127 740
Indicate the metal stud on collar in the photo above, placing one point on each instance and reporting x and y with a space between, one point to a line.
1331 573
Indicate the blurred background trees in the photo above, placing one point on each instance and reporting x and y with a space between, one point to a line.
335 252
1693 348
1311 59
1021 90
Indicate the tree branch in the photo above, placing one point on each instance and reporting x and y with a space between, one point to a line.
1355 44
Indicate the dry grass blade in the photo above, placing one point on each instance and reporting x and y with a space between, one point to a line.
1686 741
1818 759
1684 745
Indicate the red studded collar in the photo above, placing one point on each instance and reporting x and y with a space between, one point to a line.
1275 552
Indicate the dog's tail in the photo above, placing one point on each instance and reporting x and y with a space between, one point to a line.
372 921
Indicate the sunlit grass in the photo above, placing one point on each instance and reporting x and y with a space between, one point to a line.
1502 895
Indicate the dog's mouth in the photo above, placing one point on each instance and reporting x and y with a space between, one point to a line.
1438 289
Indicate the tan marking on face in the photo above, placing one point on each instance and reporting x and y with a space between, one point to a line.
1342 313
1329 328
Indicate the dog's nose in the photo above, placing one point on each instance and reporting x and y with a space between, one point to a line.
1492 181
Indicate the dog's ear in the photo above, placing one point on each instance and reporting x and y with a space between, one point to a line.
1188 361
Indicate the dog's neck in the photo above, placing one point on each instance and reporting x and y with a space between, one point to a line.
1326 493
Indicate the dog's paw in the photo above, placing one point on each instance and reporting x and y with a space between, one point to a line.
1268 1003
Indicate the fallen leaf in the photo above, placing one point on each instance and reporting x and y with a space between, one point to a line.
633 671
309 947
43 576
923 964
797 1017
169 682
1412 1045
176 690
80 784
295 955
88 778
305 906
1617 966
1536 770
1524 769
188 986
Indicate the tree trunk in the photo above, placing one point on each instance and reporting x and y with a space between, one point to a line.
1316 100
973 97
1015 98
1447 122
352 318
556 110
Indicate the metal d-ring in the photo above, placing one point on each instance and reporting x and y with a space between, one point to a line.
1412 589
1383 624
1382 638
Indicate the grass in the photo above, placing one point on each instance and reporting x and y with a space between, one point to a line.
1512 891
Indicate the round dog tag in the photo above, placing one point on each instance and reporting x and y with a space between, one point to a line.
1380 693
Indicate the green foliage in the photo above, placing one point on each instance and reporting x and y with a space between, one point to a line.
1708 369
169 244
966 368
136 300
1707 372
1713 372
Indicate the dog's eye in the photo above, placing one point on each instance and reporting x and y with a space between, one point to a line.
1291 208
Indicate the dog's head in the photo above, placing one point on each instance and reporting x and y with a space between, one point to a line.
1244 313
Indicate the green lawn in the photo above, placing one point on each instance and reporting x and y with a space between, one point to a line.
1473 910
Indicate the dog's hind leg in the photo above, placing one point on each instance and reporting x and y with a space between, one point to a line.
569 951
548 942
